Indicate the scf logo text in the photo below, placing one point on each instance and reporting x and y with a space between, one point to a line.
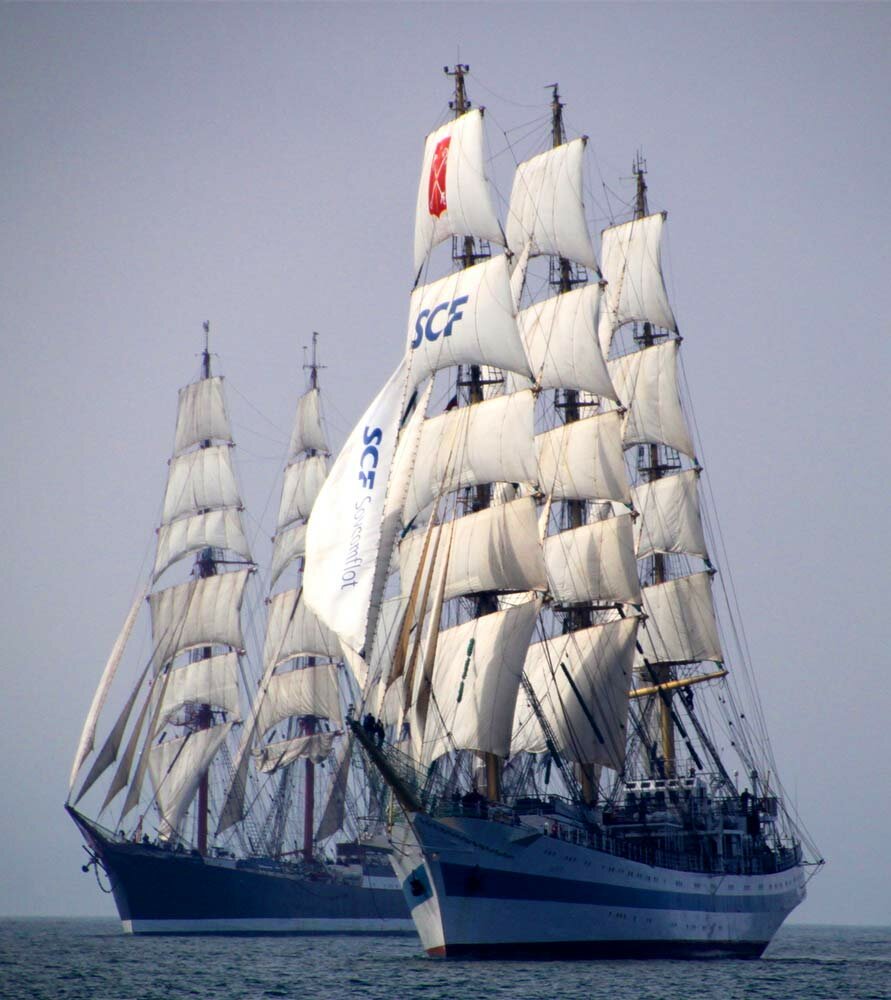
428 322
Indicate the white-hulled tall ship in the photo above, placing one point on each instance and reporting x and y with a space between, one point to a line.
211 770
513 541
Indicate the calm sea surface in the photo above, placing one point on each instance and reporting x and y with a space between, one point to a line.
91 959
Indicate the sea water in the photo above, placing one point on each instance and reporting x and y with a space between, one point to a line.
84 959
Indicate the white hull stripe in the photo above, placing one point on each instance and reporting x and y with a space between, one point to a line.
271 925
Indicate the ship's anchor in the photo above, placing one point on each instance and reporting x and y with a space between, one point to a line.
95 862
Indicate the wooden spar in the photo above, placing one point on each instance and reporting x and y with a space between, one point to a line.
675 684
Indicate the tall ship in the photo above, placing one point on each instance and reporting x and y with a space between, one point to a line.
221 798
515 542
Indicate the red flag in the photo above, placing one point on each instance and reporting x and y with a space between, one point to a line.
436 188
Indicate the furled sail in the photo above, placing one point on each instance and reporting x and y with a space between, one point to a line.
453 195
487 442
219 529
465 318
680 626
176 767
198 481
669 516
587 716
632 265
201 612
594 562
584 460
560 337
495 549
547 207
202 415
476 674
647 382
306 691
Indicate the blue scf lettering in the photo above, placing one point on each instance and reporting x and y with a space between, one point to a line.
371 438
426 327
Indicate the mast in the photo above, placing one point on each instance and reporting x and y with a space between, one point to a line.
202 716
308 724
653 462
464 255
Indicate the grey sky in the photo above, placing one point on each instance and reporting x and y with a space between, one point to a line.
257 166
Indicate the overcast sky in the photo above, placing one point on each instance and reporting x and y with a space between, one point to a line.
257 166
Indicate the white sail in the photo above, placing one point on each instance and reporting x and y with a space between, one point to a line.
218 529
308 433
560 337
273 756
307 691
202 612
453 195
487 442
646 382
669 516
198 481
589 722
584 460
292 629
594 562
201 415
476 674
680 626
466 318
547 207
303 481
493 549
177 767
632 265
88 734
344 532
287 546
212 681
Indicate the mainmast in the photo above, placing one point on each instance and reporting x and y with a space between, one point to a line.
653 462
202 714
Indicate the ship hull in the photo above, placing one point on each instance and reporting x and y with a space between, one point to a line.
484 888
159 891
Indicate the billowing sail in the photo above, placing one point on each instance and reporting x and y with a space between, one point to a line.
547 208
466 318
203 612
176 767
560 337
307 691
202 415
344 532
212 681
453 196
646 382
198 481
476 674
274 756
496 549
583 460
488 442
293 629
308 433
669 516
632 265
680 626
594 562
587 714
218 529
303 481
287 546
